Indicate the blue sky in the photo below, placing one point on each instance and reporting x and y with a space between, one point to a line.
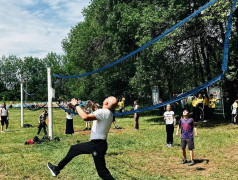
36 27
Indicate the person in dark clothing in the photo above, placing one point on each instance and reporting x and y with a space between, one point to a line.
187 125
42 122
69 121
102 120
170 123
136 115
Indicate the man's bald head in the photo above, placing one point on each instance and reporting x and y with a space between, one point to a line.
110 103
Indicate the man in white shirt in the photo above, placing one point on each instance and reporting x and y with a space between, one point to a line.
102 120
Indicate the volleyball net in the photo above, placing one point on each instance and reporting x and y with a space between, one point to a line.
110 70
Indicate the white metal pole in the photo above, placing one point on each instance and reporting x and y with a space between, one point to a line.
50 103
22 120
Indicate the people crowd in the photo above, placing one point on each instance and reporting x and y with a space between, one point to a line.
203 107
101 118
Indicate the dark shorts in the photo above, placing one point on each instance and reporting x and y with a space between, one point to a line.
190 143
4 120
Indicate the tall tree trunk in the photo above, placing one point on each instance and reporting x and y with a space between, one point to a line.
222 32
211 51
170 85
195 73
205 57
200 64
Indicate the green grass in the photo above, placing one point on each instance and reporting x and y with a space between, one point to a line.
131 154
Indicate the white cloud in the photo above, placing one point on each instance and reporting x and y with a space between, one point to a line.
36 27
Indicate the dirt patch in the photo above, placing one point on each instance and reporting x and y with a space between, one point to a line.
155 163
117 131
230 158
82 132
231 153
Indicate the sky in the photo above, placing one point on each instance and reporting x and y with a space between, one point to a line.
37 27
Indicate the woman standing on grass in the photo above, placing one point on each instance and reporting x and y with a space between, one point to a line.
4 115
136 115
69 121
170 123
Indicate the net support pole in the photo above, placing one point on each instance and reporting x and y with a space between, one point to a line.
22 120
50 103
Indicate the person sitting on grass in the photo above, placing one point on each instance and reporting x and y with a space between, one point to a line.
42 122
102 120
170 123
187 124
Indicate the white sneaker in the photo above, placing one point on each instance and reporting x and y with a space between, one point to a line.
6 129
2 131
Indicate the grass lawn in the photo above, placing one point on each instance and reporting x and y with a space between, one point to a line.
131 154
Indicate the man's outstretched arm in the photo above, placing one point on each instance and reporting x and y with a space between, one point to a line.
82 113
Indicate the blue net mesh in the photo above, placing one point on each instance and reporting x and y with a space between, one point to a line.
195 90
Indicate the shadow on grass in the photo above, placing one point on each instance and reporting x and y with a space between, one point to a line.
114 153
13 130
201 161
212 124
200 169
198 161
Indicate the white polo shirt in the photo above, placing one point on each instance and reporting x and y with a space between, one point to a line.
101 126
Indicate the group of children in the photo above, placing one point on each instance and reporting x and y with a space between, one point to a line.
205 105
186 124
